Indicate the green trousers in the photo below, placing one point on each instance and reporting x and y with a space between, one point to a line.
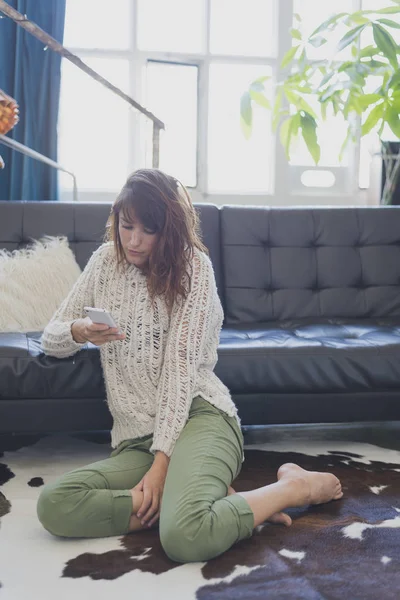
197 520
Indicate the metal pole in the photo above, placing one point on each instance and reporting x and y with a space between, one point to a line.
156 146
44 159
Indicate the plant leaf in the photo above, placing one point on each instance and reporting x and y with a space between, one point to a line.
372 119
288 130
376 64
394 80
392 118
389 23
389 10
309 131
246 115
350 37
260 99
367 99
395 101
385 43
296 34
329 22
284 134
348 64
290 95
327 78
317 41
338 86
357 18
303 105
262 79
289 56
277 118
368 51
257 86
302 59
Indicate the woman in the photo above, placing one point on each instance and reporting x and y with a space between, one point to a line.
176 437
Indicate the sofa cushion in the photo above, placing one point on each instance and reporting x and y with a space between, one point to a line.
287 357
33 283
26 372
300 357
293 263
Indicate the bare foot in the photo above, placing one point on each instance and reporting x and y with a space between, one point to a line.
314 487
279 517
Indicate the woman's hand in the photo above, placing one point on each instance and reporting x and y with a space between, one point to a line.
84 330
152 486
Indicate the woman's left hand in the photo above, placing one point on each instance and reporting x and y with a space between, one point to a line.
152 486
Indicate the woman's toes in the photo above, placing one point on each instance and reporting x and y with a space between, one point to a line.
281 518
339 494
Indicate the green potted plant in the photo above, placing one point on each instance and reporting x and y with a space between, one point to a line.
338 86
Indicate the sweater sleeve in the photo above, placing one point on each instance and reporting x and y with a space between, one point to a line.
57 338
187 335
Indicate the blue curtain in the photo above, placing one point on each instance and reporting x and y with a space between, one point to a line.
32 76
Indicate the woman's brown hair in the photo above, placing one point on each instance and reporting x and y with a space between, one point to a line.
163 205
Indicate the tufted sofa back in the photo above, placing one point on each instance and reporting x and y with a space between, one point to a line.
270 263
84 225
310 262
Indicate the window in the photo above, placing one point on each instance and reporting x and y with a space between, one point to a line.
93 125
188 63
234 164
91 24
171 26
243 28
171 94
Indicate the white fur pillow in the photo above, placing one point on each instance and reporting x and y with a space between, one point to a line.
33 283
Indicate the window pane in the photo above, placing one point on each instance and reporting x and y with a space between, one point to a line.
173 26
234 163
94 125
91 24
317 178
171 91
315 12
247 27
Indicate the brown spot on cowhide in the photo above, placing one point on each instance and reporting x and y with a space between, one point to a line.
5 474
334 566
36 482
5 505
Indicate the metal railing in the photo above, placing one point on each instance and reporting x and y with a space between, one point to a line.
50 42
41 157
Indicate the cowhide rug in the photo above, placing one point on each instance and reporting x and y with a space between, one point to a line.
348 549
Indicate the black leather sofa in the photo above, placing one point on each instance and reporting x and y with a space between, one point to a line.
312 317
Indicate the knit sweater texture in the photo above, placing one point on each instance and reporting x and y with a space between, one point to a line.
165 360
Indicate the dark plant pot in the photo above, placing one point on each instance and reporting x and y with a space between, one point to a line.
394 149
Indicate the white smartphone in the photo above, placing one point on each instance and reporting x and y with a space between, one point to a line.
100 315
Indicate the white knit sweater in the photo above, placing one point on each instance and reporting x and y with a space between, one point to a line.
153 374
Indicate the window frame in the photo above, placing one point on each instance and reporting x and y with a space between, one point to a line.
283 174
